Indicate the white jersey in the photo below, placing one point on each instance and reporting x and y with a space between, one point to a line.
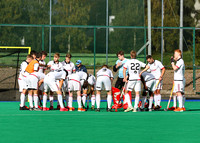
55 66
180 72
39 75
134 67
74 76
82 75
69 67
147 76
105 72
91 79
156 68
42 68
57 75
23 66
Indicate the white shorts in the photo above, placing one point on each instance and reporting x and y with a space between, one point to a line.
134 84
151 85
103 80
159 85
179 86
50 83
32 82
74 85
22 84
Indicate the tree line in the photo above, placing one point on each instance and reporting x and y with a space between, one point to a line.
93 12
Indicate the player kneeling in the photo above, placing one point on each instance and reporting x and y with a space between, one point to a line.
104 77
149 83
50 81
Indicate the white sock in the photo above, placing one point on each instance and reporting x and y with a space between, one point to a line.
60 100
174 101
184 101
180 100
93 100
155 100
51 100
22 100
150 102
127 98
137 98
143 101
84 98
79 101
70 101
36 100
98 100
44 100
67 99
159 99
30 98
109 101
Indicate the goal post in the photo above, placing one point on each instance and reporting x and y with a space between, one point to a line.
10 58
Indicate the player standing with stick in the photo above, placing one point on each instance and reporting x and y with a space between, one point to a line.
179 79
133 66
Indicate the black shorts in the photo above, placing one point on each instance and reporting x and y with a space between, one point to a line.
119 83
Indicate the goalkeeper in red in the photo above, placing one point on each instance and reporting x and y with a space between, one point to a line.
179 79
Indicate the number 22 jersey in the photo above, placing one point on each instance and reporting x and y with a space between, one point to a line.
134 67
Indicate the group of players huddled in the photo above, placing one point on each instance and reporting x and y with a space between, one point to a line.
38 80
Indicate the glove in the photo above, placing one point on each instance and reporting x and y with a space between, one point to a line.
172 59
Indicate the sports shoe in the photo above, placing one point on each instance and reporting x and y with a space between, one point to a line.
63 109
141 109
157 108
58 107
128 109
98 110
172 108
37 109
150 110
45 109
23 108
81 110
40 107
92 108
31 109
26 107
184 109
51 108
178 110
109 110
134 110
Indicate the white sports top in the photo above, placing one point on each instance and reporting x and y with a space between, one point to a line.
105 72
180 72
156 68
134 67
69 67
148 76
55 66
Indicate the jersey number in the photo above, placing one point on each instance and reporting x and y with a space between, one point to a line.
135 67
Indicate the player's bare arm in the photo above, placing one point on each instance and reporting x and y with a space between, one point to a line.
162 74
146 68
124 74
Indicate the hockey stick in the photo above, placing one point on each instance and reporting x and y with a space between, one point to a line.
170 98
63 92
